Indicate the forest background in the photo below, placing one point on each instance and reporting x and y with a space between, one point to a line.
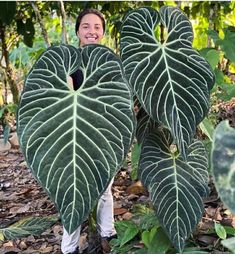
28 28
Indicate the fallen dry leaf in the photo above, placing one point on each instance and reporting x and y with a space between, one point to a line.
136 188
119 211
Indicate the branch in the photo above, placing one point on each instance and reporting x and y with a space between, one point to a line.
39 19
63 19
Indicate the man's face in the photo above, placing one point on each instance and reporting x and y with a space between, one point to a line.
90 30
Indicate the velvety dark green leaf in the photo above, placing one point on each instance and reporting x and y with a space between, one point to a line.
75 141
223 163
28 226
7 11
171 80
176 187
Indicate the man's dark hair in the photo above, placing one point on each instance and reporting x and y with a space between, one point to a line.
88 11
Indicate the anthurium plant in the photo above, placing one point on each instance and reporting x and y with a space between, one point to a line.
75 141
172 83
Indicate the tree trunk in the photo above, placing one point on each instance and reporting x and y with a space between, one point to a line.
63 19
39 19
8 70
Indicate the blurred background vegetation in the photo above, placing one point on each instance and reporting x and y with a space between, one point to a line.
27 28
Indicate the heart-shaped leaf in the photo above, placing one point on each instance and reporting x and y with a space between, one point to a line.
223 163
170 79
75 141
176 187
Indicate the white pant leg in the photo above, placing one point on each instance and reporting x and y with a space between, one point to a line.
70 242
105 222
105 216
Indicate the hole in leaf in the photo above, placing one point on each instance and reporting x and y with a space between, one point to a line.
161 33
77 78
157 33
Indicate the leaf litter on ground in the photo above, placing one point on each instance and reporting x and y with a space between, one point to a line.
22 198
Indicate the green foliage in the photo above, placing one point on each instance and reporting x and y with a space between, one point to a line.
23 57
211 55
227 44
135 155
220 231
27 226
156 241
207 128
205 16
126 231
143 228
226 91
7 117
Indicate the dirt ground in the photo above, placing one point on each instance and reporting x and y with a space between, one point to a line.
21 197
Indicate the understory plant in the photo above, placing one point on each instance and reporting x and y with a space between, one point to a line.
172 82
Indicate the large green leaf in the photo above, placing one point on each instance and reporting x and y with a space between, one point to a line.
170 79
223 163
176 187
28 226
75 141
